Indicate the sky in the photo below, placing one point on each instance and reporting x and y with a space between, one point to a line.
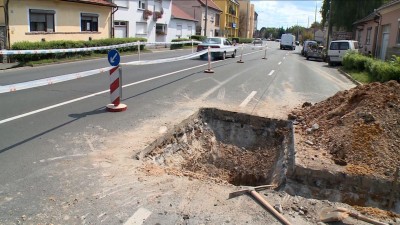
286 13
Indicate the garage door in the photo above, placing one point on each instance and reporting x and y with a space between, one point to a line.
120 29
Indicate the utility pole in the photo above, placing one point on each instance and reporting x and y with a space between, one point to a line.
206 20
329 23
315 18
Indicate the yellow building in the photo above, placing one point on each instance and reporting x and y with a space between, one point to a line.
39 20
229 17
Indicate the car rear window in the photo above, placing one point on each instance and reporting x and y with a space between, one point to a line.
334 46
344 46
212 41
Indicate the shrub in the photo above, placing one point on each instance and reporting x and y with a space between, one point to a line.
70 44
177 46
198 37
245 40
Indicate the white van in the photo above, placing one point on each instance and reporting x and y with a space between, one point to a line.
337 49
288 41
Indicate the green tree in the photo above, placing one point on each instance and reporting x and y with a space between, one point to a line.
346 12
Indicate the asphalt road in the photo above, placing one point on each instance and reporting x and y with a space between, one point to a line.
47 133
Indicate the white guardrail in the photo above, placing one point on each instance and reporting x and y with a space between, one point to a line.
72 76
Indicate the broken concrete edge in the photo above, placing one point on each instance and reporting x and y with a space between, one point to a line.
170 132
337 186
350 77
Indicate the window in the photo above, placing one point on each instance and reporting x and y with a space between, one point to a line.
398 32
142 4
141 28
368 38
41 20
334 46
161 29
179 30
359 35
217 20
190 31
120 23
89 22
344 46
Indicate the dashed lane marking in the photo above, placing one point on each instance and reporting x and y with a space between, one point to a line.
248 99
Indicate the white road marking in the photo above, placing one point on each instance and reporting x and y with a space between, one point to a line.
138 217
247 100
279 63
221 94
102 92
270 73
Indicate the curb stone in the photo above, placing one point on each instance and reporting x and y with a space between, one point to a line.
348 76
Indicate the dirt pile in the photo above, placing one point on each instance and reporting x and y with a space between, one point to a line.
360 128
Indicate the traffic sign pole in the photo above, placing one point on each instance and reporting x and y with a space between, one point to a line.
115 83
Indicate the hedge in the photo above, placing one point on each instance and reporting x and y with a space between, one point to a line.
176 46
198 37
70 44
379 70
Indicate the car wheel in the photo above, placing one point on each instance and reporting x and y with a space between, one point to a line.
308 58
202 56
224 56
234 54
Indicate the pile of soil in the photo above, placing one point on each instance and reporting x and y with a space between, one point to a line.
196 152
360 128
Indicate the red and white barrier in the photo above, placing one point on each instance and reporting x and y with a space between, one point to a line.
209 70
241 55
116 91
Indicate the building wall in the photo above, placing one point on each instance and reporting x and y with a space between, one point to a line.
229 20
2 16
67 21
361 37
133 15
188 29
251 18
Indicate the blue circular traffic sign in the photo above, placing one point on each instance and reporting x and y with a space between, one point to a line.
113 57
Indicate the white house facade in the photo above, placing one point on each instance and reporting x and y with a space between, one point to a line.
142 18
181 24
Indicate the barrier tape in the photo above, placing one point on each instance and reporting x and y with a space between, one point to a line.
51 80
69 50
72 76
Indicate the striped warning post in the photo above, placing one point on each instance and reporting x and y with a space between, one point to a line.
116 91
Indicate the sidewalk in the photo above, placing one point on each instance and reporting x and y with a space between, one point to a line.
5 66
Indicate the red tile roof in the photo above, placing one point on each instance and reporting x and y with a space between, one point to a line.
94 2
210 4
180 14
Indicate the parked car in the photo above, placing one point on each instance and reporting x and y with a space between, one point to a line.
297 43
288 41
224 44
305 47
257 41
337 49
315 51
278 40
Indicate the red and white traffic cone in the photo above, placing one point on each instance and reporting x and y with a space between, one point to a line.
265 53
241 55
116 91
209 70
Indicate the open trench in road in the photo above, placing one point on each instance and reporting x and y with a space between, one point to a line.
247 150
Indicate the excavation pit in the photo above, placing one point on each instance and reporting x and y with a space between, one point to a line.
226 146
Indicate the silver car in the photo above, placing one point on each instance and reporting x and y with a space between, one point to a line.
226 47
257 41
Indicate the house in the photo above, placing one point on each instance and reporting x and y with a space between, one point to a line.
379 32
229 17
142 18
197 9
182 25
246 19
50 20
